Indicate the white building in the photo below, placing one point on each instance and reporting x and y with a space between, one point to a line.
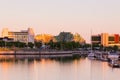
22 36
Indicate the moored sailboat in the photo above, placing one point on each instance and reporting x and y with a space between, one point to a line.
91 55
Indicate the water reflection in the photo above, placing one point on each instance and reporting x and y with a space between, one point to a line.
57 69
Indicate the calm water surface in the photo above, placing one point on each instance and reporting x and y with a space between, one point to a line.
82 69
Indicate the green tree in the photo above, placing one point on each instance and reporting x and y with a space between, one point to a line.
51 44
19 44
30 44
64 37
38 44
2 43
115 48
9 44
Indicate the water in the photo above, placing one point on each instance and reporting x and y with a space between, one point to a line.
45 69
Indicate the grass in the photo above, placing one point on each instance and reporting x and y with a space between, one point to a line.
5 49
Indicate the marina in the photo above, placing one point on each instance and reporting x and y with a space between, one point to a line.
60 40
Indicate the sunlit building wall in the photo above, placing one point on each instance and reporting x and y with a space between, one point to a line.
104 39
22 36
5 32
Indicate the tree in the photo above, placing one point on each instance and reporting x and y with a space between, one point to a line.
64 37
9 44
51 44
78 38
30 44
19 44
2 43
38 44
115 48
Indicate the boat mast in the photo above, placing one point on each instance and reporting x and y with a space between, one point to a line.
91 40
91 53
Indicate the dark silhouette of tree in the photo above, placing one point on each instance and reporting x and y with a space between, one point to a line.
64 37
38 44
30 44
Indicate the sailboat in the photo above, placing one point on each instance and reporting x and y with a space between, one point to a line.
114 63
91 55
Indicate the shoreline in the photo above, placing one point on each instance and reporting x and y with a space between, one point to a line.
38 54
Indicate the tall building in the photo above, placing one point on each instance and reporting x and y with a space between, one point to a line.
106 39
22 36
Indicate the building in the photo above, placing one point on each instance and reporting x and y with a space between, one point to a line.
22 36
106 39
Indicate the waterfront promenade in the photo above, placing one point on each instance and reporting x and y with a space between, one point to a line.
39 54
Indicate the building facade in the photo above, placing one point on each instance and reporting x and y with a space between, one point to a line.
21 36
106 39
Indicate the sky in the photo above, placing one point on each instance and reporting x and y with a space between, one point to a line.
55 16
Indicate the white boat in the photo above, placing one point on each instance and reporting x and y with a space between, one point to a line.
114 63
91 55
112 55
104 56
104 59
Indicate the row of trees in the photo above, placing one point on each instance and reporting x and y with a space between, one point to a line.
61 45
61 37
51 45
20 44
66 41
